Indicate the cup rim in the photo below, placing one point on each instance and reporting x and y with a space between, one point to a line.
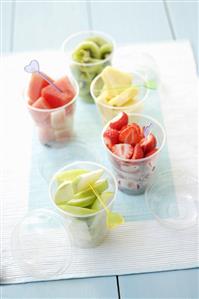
120 107
142 159
73 35
75 85
165 174
73 164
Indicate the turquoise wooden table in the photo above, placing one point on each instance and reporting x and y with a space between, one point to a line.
33 25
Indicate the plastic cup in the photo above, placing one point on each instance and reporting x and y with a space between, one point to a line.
84 73
134 176
86 230
108 112
55 126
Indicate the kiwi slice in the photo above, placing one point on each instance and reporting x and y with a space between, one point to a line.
98 40
106 50
85 51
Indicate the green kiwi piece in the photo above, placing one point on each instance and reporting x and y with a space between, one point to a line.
98 40
85 51
106 50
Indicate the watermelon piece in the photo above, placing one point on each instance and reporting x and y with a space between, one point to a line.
41 103
54 97
46 135
37 83
40 117
62 135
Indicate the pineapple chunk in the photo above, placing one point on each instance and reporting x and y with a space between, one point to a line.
121 99
114 79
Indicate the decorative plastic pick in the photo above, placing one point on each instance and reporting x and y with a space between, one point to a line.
147 130
33 67
151 84
112 219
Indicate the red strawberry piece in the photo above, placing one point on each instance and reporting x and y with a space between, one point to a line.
142 132
139 129
148 143
111 137
151 152
138 152
130 135
123 150
119 121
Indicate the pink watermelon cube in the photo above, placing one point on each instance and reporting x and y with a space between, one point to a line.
36 84
46 135
54 97
41 117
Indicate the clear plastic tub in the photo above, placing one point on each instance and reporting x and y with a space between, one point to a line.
86 230
108 112
86 72
134 176
55 126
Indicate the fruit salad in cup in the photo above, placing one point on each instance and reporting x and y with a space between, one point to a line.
133 143
114 91
89 53
75 200
52 109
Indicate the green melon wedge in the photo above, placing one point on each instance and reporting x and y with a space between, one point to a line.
83 181
69 175
99 186
76 211
64 192
105 196
82 202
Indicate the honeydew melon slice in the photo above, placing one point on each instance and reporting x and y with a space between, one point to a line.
78 211
105 196
82 202
69 175
64 192
99 186
83 181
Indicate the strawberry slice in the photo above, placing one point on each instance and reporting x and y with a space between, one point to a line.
130 134
138 152
151 152
123 150
111 137
148 143
119 121
139 130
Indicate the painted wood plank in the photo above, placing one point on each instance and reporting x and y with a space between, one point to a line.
131 21
45 25
90 288
180 284
184 19
7 19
